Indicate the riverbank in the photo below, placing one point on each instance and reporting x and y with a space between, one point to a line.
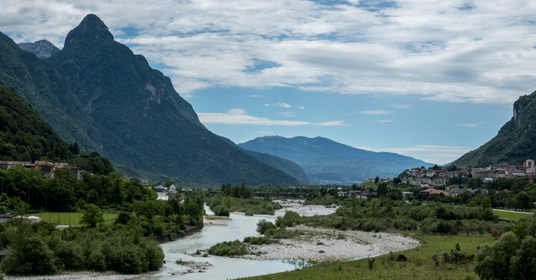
76 276
318 244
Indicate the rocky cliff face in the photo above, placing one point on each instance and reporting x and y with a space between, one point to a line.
42 48
515 142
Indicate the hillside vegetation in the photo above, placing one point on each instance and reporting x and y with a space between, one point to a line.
515 142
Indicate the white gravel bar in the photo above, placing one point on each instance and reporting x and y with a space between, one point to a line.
325 244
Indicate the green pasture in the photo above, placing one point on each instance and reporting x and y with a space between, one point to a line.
419 264
70 218
511 215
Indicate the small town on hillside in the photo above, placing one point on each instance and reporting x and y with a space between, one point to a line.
46 168
438 176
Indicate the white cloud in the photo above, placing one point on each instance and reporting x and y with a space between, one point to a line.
400 106
385 121
431 50
429 153
331 123
283 105
376 112
241 117
471 125
432 153
287 114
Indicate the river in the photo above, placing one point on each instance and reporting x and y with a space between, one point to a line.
220 267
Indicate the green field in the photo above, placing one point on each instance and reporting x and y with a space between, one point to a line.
419 264
511 215
68 218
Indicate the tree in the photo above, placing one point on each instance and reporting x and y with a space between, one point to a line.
523 201
92 216
376 180
263 226
474 183
493 262
382 190
486 202
524 262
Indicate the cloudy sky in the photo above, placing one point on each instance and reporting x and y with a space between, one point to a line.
429 79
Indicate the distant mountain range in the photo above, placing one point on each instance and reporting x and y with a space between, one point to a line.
42 48
328 162
96 92
515 142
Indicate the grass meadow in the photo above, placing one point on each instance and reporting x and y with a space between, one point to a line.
511 215
419 264
70 218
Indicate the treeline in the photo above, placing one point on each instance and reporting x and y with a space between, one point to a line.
240 199
126 246
383 214
513 256
41 249
65 193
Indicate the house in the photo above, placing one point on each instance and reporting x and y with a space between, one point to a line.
6 217
47 168
6 165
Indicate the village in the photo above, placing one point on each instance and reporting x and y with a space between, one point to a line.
434 179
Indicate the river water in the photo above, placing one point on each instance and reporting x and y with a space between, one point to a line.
220 267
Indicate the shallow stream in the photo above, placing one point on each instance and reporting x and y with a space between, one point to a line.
220 267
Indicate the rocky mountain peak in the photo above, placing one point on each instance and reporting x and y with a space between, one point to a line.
90 30
42 48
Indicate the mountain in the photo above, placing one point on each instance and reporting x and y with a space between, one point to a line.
282 164
49 94
24 135
515 142
42 48
328 162
142 121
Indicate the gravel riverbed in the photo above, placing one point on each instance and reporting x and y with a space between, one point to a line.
324 244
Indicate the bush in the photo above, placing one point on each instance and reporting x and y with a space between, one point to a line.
123 218
70 255
288 220
96 261
229 249
32 258
258 240
263 226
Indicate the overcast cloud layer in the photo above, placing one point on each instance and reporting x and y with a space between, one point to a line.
458 51
472 54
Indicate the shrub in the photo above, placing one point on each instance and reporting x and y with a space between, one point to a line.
229 249
258 240
96 261
288 220
221 210
263 226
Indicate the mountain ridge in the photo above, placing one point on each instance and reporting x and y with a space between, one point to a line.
127 111
42 48
515 141
325 160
